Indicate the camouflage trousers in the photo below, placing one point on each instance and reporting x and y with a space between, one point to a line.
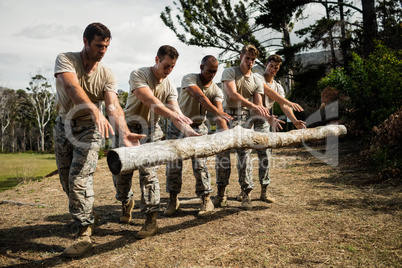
200 170
149 182
77 151
263 154
244 166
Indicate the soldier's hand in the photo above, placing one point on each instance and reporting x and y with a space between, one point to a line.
182 119
260 110
275 123
224 116
132 139
299 124
102 123
295 106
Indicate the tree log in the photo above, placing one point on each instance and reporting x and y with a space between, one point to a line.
126 159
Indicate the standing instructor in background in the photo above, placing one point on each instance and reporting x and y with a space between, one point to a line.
82 84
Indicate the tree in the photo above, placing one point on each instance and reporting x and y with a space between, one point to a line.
5 105
217 24
389 16
42 101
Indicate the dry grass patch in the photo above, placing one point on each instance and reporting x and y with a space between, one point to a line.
324 216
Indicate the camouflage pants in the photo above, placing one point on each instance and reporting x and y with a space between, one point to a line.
263 154
244 166
76 150
200 170
149 182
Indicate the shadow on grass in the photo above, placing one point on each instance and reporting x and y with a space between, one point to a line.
18 242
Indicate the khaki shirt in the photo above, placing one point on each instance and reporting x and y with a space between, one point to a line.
94 84
245 86
266 101
136 111
190 106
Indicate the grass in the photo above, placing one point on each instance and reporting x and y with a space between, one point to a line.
15 168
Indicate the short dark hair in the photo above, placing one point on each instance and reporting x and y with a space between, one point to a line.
208 58
275 58
251 49
99 29
167 50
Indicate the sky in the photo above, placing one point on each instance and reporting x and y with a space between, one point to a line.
34 32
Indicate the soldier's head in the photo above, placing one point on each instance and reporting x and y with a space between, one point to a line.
209 67
98 29
165 60
96 41
248 55
273 65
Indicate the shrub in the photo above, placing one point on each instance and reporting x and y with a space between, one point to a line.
386 146
373 86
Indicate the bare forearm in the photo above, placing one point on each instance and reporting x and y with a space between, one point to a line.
117 119
207 104
289 113
273 95
79 97
236 97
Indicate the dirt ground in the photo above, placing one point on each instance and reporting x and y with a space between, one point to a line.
325 216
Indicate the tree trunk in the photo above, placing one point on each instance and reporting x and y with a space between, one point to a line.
369 26
331 38
127 159
343 34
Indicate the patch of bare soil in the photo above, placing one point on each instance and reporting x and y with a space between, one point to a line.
325 215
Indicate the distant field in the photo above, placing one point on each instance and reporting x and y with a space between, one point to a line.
17 167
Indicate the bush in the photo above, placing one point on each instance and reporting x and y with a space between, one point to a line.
373 86
386 146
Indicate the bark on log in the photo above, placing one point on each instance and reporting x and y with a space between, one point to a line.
126 159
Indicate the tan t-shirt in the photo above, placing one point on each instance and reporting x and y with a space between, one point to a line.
138 112
94 84
190 106
246 86
266 101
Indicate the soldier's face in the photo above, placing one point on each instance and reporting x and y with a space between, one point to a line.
97 48
165 66
273 68
247 60
209 70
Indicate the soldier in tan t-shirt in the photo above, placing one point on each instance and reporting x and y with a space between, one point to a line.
151 95
242 96
82 83
198 95
273 92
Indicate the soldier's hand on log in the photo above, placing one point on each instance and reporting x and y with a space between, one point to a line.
275 122
182 119
189 132
299 124
260 110
224 116
132 139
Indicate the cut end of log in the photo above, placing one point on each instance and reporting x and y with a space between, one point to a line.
114 163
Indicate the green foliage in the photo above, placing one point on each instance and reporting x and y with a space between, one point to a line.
122 98
214 23
374 86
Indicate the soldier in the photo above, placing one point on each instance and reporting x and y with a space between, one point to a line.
273 92
198 95
242 94
149 90
82 83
